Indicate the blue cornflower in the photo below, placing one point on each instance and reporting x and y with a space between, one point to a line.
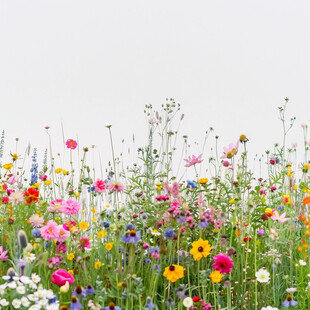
106 224
91 188
130 226
36 232
169 233
34 168
191 184
203 224
149 303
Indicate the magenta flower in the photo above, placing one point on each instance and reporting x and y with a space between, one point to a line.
191 161
223 263
63 234
231 150
84 243
70 207
99 186
3 254
50 231
71 144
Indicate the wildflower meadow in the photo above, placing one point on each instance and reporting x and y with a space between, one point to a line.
174 230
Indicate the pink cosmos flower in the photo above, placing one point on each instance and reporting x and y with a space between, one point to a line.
231 150
99 186
12 179
55 205
71 144
63 234
3 254
115 187
16 198
36 220
50 231
191 161
70 207
280 218
223 263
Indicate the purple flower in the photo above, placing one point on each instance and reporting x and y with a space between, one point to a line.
289 302
112 306
89 290
79 292
169 233
131 236
149 303
203 224
75 304
261 232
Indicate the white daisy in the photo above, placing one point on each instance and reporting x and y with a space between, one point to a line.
25 302
16 303
4 302
262 275
20 289
35 278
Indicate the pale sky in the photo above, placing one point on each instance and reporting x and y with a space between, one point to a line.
89 63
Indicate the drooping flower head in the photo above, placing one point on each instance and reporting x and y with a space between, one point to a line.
223 263
71 144
200 248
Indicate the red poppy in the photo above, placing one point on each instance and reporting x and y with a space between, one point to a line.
32 195
196 299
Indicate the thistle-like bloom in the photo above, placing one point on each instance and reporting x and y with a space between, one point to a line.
193 160
223 263
3 254
71 144
231 150
174 273
200 248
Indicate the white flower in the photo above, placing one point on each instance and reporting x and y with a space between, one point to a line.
32 297
35 307
12 284
54 306
20 289
2 288
291 290
269 308
262 275
4 302
25 302
35 278
30 257
25 279
302 262
187 302
16 303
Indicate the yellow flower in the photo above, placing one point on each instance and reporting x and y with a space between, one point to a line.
155 232
48 182
58 170
8 166
57 219
231 201
174 273
107 206
65 172
306 166
83 211
98 265
203 181
295 187
70 271
94 219
109 246
14 156
93 210
35 185
119 284
101 234
70 256
83 225
77 195
201 248
216 276
243 138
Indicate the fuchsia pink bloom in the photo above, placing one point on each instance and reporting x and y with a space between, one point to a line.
84 243
70 207
50 231
115 187
193 160
162 197
99 186
61 276
71 144
3 254
223 263
69 225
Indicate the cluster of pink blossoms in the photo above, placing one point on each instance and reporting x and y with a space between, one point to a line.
68 207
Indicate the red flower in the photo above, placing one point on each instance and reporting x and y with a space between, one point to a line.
32 195
246 239
196 299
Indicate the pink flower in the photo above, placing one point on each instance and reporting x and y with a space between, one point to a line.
36 220
71 144
273 188
175 189
231 150
70 207
226 163
280 218
12 179
223 263
61 248
69 225
16 197
50 231
55 205
272 161
145 245
5 199
3 254
61 276
84 243
99 186
115 187
63 234
191 161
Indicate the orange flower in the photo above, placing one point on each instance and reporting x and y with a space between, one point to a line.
302 218
299 249
31 195
307 232
306 200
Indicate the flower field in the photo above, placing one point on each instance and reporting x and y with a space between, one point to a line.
160 234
